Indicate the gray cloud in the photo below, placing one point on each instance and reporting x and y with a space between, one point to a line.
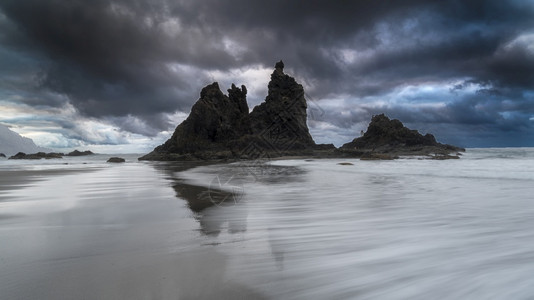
133 62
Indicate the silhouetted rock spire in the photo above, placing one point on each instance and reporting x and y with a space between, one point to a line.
279 66
220 126
281 118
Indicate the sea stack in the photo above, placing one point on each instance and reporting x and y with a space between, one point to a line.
387 139
116 160
79 153
212 130
221 127
38 155
280 121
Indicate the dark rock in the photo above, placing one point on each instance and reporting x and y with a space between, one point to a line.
20 155
279 66
325 147
385 136
220 127
116 160
345 164
280 121
38 155
385 132
79 153
212 129
2 155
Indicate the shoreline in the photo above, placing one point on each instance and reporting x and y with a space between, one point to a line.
16 179
326 155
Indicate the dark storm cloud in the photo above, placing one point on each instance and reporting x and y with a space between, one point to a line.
448 38
111 58
134 61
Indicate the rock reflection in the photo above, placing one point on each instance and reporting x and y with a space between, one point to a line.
277 248
213 206
266 173
217 203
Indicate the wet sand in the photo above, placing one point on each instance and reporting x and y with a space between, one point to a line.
127 275
15 179
119 232
406 229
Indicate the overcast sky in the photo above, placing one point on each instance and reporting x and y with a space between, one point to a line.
118 76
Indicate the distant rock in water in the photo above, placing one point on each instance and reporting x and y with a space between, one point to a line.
116 160
387 139
79 153
38 155
2 155
221 127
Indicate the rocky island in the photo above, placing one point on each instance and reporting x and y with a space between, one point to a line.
116 160
38 155
389 139
220 127
79 153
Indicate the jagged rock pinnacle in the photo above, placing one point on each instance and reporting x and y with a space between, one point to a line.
281 119
220 126
279 66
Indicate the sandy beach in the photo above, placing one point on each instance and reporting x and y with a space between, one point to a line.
15 179
97 239
299 229
106 233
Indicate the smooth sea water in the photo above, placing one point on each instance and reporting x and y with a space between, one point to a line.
286 229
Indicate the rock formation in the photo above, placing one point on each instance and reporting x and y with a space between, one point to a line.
386 139
38 155
213 128
116 160
280 121
79 153
2 155
220 126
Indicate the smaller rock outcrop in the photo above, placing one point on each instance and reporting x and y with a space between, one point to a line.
388 139
79 153
2 155
116 160
38 155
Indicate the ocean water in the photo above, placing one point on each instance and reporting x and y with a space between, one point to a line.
285 229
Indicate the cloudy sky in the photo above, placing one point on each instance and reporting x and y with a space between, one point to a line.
118 76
